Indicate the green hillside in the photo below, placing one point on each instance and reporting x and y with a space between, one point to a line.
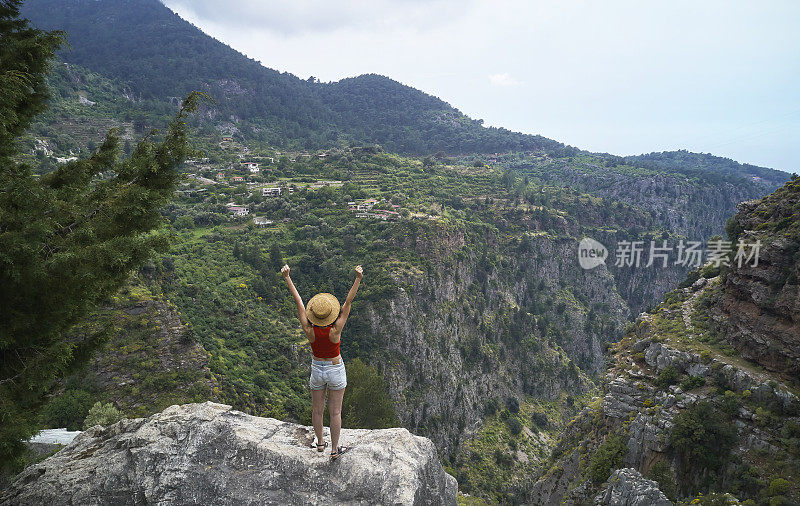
474 320
166 56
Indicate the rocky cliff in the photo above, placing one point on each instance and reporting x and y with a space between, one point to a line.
701 395
760 306
470 332
210 454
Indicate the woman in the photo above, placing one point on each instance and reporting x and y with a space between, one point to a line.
322 322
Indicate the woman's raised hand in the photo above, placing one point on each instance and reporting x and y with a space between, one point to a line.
285 271
359 272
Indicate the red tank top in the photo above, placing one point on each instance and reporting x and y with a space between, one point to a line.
322 345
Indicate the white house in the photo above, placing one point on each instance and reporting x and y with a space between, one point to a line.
238 210
262 221
270 192
253 166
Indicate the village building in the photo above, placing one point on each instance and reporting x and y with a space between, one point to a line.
270 192
262 221
252 166
366 205
238 210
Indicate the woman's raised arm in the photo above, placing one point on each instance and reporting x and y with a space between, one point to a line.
301 308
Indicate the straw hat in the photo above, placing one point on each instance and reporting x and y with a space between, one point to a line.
322 309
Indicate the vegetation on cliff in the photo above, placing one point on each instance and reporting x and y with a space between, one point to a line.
700 410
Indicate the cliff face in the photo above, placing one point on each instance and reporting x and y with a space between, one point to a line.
642 407
693 210
501 319
760 307
151 360
210 454
702 394
452 341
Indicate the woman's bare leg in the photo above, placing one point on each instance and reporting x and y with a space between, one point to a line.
335 411
317 408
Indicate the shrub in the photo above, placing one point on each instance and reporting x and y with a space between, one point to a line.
502 458
513 404
67 410
539 419
514 426
765 417
608 457
692 382
703 436
103 414
730 403
668 376
777 487
491 407
712 499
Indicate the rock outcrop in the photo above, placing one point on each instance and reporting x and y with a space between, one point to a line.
627 487
211 454
761 303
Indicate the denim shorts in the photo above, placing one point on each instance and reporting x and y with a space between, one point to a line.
324 374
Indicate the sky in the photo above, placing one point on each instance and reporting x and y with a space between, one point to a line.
617 76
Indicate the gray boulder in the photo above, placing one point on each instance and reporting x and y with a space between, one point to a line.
627 487
211 454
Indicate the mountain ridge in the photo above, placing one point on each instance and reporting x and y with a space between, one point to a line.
168 56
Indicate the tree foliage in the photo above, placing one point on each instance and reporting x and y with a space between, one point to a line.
609 456
703 436
68 240
366 401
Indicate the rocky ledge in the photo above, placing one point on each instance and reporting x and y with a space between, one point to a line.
211 454
626 487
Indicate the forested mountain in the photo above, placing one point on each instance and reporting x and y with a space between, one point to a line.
165 56
157 55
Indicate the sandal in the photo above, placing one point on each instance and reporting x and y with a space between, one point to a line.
321 447
338 453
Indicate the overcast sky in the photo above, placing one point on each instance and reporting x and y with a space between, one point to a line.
624 77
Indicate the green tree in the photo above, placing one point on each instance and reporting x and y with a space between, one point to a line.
275 257
609 456
366 402
661 473
703 436
67 410
68 240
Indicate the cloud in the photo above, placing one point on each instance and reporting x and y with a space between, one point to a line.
320 16
503 80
